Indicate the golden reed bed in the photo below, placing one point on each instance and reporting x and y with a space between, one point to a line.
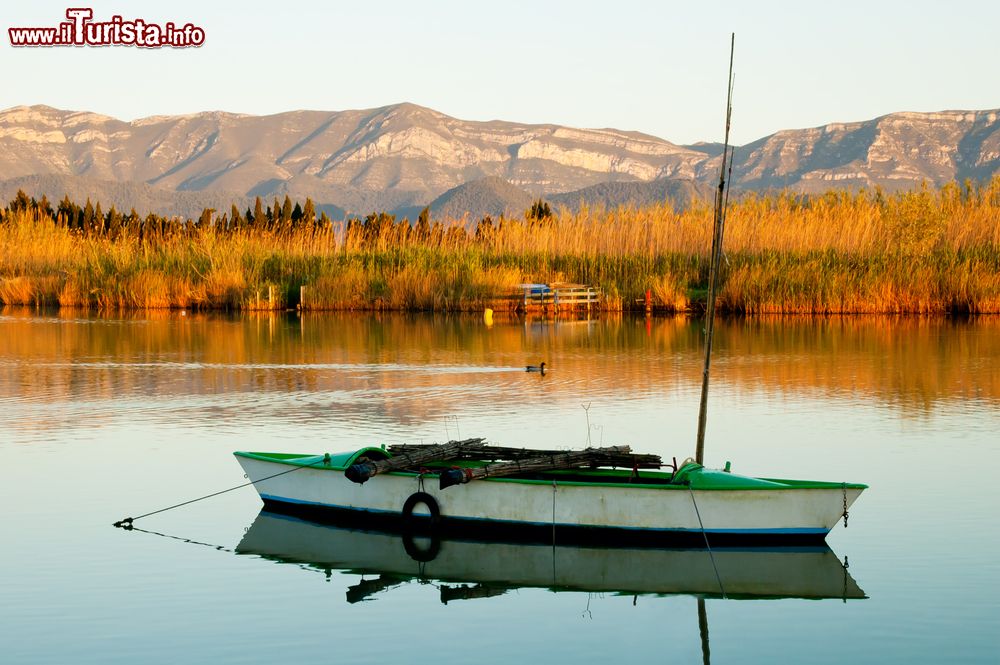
924 251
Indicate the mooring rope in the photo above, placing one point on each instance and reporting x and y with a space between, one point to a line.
126 523
707 546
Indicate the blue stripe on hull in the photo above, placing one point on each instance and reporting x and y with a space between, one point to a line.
795 531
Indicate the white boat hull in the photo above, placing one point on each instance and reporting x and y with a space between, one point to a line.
564 506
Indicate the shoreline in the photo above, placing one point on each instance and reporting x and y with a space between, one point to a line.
918 252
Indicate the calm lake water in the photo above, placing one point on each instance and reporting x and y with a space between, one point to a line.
104 417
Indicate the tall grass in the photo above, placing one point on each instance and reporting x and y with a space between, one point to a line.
919 251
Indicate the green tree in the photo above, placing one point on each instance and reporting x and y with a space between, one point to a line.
114 224
67 212
422 230
88 215
21 202
44 207
539 211
309 211
258 212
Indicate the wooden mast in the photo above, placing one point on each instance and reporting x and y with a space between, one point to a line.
713 270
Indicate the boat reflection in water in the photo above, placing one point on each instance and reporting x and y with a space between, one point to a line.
476 569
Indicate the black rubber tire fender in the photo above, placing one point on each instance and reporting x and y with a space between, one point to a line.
417 498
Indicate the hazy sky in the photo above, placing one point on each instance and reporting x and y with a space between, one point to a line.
655 67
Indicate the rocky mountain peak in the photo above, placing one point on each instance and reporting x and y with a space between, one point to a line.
407 155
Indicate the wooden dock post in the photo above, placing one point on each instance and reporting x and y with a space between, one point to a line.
302 296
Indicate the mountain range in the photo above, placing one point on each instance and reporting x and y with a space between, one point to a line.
403 157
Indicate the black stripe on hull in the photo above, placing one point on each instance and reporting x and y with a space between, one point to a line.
452 528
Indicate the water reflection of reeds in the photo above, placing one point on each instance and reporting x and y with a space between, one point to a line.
417 366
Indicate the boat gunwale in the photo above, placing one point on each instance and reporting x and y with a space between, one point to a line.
317 462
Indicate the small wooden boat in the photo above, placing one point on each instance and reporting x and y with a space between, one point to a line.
578 503
557 496
496 567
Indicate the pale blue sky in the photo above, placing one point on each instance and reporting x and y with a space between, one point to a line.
655 67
